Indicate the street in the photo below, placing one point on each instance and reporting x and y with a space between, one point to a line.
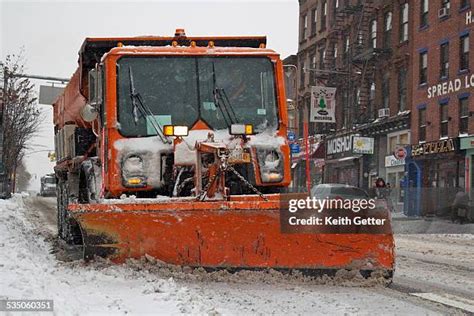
433 276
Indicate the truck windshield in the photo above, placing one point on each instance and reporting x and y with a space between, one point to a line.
181 90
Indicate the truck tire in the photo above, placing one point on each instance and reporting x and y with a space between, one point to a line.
68 229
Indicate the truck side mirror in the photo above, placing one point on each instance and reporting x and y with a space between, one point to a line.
92 86
95 87
91 110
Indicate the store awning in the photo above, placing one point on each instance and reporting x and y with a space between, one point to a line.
343 159
348 158
316 150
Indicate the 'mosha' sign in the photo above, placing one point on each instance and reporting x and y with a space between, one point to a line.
339 146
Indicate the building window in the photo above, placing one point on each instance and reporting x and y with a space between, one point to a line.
464 53
387 30
403 139
324 13
304 28
463 115
422 125
465 4
373 34
334 55
404 22
371 107
345 54
357 96
302 74
312 73
424 13
402 89
446 4
322 57
360 38
314 23
346 106
443 115
396 141
444 60
392 144
423 67
386 91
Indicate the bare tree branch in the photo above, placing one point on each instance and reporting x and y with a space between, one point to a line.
22 117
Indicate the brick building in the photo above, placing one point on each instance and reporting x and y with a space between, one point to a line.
363 49
442 144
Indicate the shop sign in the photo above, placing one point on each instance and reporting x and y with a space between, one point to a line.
391 161
448 87
467 143
363 145
339 145
323 104
436 147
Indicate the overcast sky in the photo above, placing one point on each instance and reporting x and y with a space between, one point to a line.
52 32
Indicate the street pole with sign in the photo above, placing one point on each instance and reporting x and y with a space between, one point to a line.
306 151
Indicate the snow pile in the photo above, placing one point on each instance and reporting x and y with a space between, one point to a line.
402 225
344 278
28 270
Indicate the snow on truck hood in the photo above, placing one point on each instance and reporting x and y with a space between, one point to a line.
266 139
150 149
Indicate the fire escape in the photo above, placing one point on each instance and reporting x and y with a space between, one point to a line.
353 70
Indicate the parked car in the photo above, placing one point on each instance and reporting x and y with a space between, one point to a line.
48 185
338 191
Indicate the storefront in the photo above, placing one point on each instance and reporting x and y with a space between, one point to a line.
467 144
436 171
394 175
345 159
389 134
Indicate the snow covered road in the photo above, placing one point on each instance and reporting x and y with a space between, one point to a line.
29 269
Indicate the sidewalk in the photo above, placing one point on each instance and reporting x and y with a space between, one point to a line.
402 224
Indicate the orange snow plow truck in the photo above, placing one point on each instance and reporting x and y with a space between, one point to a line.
175 147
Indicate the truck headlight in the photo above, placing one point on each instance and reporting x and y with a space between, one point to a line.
133 171
270 162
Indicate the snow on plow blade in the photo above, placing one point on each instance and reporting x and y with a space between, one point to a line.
241 233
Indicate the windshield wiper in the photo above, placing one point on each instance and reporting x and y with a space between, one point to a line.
139 105
222 102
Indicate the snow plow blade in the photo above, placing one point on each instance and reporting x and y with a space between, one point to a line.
243 233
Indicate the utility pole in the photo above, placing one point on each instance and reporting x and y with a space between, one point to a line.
4 187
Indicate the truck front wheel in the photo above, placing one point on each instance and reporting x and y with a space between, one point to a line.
68 229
